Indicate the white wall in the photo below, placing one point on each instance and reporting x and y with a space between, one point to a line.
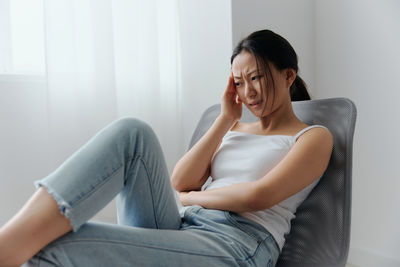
206 47
25 155
357 56
23 135
293 20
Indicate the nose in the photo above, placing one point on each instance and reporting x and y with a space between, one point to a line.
249 91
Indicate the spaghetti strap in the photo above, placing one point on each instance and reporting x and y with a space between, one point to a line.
306 129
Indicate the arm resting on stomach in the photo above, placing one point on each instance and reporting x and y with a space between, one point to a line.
234 197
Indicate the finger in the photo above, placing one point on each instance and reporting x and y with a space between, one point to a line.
232 85
233 82
228 84
229 79
229 87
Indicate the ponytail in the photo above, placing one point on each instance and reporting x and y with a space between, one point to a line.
298 90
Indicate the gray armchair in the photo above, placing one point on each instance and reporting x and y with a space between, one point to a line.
320 233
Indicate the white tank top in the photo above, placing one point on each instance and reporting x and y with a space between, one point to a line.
244 157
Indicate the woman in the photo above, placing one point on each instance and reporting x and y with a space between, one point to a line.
260 173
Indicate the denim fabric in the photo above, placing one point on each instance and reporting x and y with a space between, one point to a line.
125 160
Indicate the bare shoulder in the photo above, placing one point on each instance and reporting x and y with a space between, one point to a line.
316 143
316 135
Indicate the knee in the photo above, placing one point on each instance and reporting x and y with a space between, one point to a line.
129 127
128 124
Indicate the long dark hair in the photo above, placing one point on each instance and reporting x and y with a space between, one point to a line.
268 47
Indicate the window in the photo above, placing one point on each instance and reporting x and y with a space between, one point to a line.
22 37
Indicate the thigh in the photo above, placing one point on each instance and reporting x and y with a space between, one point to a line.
147 198
205 238
98 244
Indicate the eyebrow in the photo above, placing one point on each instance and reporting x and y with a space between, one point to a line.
247 74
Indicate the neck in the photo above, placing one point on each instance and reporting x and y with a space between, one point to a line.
280 117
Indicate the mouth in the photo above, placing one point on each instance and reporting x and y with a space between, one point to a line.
256 104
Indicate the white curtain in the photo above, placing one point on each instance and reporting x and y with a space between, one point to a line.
108 59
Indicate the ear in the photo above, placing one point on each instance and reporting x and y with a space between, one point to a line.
238 100
290 76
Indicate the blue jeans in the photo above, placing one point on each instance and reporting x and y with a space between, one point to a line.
125 160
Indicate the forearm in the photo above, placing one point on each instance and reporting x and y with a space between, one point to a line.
237 197
192 166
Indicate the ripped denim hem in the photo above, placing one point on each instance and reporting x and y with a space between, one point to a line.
63 206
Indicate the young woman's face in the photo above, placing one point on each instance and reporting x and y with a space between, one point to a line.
250 83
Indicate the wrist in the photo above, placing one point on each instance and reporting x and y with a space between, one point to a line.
184 198
228 122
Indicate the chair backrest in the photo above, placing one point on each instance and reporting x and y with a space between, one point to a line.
320 233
